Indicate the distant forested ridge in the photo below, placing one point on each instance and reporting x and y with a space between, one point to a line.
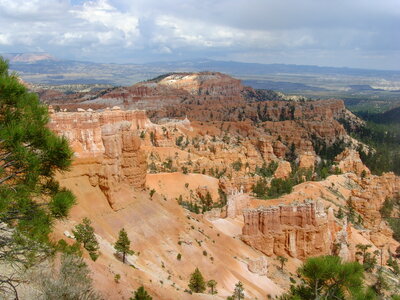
389 117
382 133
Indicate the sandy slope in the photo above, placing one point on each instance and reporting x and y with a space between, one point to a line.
172 185
155 227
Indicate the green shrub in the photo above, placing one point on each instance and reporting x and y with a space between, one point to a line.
279 187
237 165
267 171
260 188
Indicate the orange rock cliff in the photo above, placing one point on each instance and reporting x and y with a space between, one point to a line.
106 149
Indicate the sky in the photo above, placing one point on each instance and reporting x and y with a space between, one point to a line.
351 33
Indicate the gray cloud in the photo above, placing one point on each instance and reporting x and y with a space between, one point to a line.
360 33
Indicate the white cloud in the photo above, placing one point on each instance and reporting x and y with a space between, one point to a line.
102 13
150 30
181 32
4 39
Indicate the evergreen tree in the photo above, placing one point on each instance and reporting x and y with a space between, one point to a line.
197 283
267 171
30 155
238 293
380 284
212 285
368 259
326 277
393 263
123 244
279 187
340 213
260 188
351 214
141 294
208 200
362 251
282 260
84 233
291 155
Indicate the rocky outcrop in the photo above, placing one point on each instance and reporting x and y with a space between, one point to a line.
204 83
279 149
283 171
106 149
236 204
368 198
307 160
341 246
258 266
264 146
299 230
349 161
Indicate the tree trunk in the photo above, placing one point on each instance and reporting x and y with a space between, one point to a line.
316 291
123 257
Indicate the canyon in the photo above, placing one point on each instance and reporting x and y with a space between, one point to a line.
142 152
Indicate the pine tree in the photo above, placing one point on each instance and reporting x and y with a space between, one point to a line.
327 277
282 260
141 294
238 293
381 285
340 213
368 259
84 233
123 244
30 156
363 251
212 285
260 188
197 283
393 263
208 200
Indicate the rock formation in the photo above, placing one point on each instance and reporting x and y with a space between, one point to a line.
368 198
211 134
284 169
259 266
296 230
106 149
307 160
349 161
205 83
236 204
271 126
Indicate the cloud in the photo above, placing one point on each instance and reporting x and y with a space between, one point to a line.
354 33
104 17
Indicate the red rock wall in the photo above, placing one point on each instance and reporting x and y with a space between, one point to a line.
293 230
216 97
